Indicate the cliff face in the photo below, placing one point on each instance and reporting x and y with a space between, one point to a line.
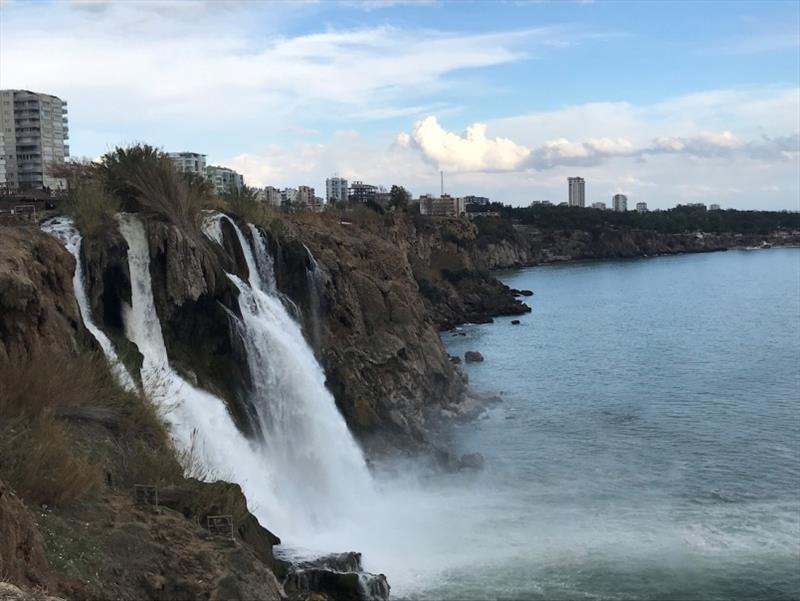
525 245
453 273
358 299
371 329
38 310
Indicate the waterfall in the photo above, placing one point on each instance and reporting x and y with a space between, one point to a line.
314 284
197 419
315 462
306 470
264 262
64 229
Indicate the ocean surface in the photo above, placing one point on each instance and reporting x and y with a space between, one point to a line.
647 445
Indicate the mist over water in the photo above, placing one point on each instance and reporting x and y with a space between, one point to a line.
648 442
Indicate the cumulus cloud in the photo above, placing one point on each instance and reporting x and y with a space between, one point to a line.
473 151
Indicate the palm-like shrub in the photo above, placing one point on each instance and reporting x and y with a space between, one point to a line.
145 179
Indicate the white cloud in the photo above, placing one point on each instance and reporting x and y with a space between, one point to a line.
183 63
471 152
643 128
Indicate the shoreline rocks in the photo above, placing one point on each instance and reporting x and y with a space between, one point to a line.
473 357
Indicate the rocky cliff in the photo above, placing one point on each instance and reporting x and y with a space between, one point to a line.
502 245
38 311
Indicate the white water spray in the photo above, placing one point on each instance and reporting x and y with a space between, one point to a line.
315 462
197 419
307 470
64 229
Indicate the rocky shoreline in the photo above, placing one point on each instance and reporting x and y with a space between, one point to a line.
372 294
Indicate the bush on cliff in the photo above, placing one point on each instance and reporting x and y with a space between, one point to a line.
244 203
145 179
91 205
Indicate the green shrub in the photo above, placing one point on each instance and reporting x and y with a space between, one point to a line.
91 206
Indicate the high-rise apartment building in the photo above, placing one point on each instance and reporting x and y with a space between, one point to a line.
305 195
577 191
270 195
224 179
619 202
641 207
336 189
189 162
33 134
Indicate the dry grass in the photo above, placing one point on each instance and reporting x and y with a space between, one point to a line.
145 179
37 457
57 416
91 206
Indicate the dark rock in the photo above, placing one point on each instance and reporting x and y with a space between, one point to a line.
339 576
455 359
473 461
197 500
473 357
515 322
525 292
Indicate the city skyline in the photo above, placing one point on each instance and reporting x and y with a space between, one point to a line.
246 84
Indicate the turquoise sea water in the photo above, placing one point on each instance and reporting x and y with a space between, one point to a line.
647 445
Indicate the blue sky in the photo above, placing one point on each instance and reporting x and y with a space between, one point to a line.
666 101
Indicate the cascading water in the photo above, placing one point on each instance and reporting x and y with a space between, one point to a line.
314 300
64 229
315 462
307 469
198 420
264 262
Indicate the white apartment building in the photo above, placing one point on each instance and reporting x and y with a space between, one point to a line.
288 196
33 134
577 191
441 206
305 195
714 207
270 195
641 207
619 202
599 205
224 179
189 162
336 189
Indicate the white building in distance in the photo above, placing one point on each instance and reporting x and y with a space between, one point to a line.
641 207
336 189
305 195
714 207
224 179
189 162
441 206
288 196
270 195
577 191
599 205
620 203
33 134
